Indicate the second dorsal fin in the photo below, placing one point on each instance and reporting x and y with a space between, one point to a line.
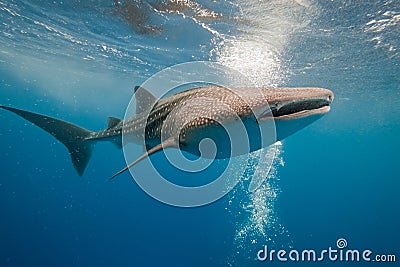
112 122
144 99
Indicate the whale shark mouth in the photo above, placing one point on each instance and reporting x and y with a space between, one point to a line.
301 108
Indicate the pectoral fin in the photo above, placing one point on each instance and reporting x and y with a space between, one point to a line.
171 142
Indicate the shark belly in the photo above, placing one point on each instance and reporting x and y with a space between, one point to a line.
285 128
235 138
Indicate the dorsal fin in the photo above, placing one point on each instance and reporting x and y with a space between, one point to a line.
112 122
144 99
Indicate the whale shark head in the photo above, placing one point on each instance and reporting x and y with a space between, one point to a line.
295 108
293 103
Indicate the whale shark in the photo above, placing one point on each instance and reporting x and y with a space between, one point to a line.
291 109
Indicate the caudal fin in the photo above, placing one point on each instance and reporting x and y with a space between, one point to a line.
72 136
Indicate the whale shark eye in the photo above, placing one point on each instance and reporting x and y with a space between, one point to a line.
182 137
182 142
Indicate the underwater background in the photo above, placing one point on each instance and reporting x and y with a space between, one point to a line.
80 60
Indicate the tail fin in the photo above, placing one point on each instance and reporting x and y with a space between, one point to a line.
72 136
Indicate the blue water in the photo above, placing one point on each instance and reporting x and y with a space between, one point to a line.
79 61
